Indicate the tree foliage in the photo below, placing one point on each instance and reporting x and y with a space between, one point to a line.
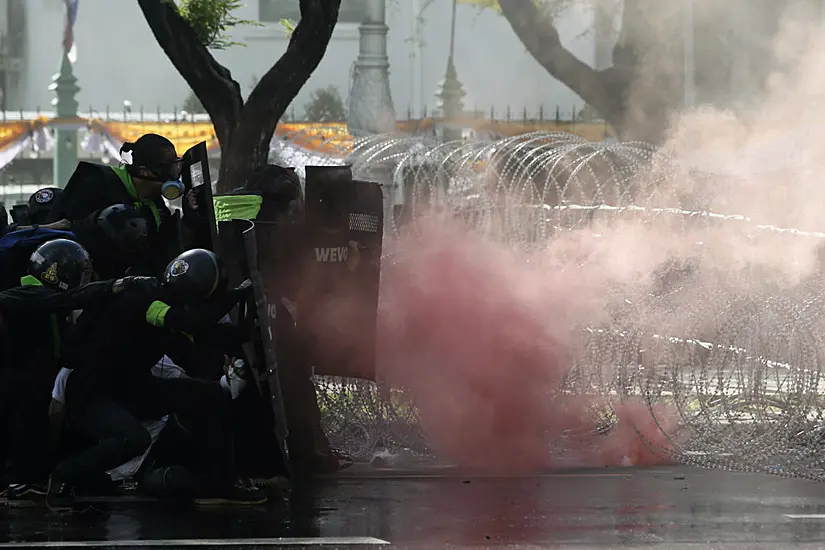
212 20
325 105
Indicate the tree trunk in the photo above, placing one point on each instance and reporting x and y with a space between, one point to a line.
639 93
244 131
650 56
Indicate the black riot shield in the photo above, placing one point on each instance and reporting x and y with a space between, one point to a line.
237 246
339 309
195 175
235 243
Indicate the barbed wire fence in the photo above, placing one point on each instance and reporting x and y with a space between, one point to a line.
740 367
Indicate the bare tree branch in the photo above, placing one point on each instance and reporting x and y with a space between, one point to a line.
306 48
244 130
211 82
603 90
279 86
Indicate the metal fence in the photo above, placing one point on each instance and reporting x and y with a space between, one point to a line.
509 114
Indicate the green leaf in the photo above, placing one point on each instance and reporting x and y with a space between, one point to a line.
212 20
288 25
325 105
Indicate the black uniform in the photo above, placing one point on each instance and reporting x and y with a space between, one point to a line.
119 240
33 319
94 187
111 390
283 236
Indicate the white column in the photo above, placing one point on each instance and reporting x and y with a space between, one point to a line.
370 102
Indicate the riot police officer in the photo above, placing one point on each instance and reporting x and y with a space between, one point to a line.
111 390
33 320
282 237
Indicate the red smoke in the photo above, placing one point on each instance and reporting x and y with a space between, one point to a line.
483 340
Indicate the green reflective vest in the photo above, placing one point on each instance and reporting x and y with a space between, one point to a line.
130 188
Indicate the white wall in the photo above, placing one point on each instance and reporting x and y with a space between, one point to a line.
117 57
119 60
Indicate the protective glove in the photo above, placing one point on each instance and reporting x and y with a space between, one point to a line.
197 316
244 289
146 285
234 381
192 202
238 294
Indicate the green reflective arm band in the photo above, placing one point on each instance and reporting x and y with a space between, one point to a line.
156 314
30 280
237 207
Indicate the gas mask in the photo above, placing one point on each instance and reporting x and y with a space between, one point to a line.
172 189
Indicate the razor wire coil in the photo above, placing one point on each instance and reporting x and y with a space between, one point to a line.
740 369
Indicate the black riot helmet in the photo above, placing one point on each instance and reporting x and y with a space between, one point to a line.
280 188
196 273
126 228
61 264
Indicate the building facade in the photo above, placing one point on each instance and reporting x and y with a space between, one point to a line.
118 59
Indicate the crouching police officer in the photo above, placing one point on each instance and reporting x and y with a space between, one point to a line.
33 318
111 390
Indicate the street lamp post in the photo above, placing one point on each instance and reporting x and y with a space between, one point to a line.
450 91
64 86
371 109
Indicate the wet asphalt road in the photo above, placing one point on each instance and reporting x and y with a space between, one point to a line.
669 507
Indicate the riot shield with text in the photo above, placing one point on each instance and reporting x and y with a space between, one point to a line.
338 303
